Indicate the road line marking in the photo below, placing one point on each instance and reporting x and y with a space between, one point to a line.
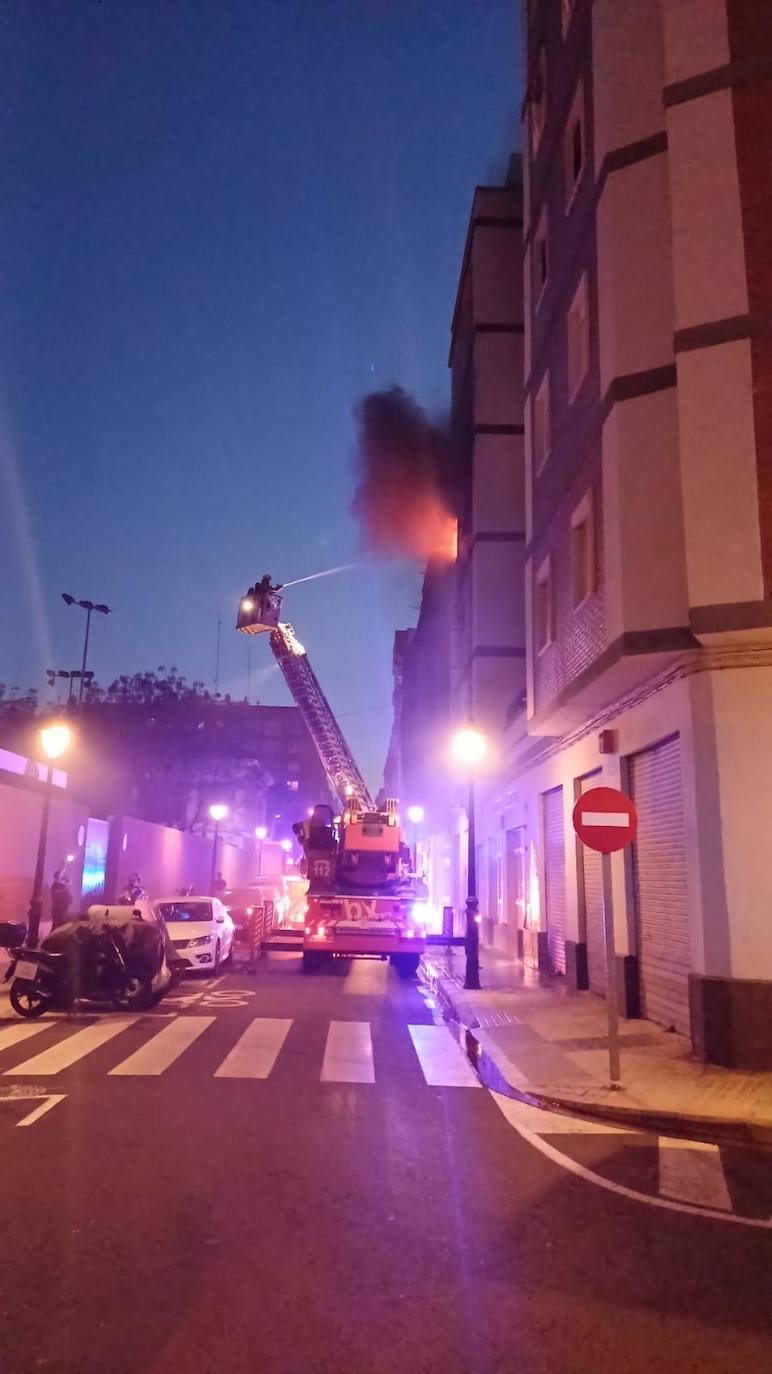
348 1054
443 1062
75 1047
691 1171
168 1044
617 820
564 1161
43 1107
12 1035
256 1051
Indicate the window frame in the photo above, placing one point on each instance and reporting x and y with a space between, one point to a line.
544 580
540 242
542 397
537 126
581 297
584 516
577 115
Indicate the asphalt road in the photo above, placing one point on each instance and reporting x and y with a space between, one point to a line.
170 1219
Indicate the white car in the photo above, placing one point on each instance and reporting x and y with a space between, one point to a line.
200 928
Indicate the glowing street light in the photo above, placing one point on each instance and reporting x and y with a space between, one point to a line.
218 811
55 739
261 834
469 747
286 846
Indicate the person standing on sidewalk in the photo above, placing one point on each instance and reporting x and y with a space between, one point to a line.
61 898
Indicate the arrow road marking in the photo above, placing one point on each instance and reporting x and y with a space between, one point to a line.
49 1101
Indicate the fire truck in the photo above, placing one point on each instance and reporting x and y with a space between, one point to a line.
363 900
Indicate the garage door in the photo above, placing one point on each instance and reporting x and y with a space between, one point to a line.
592 865
659 876
555 877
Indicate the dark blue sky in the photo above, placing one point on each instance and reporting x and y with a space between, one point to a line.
221 223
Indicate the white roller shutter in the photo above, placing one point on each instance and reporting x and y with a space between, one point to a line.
592 866
555 877
659 875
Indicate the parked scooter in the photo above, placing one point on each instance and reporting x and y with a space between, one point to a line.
96 967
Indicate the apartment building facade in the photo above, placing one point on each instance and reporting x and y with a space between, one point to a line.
648 549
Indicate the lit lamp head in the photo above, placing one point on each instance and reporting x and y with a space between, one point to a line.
247 604
415 814
286 846
469 747
55 739
261 832
218 811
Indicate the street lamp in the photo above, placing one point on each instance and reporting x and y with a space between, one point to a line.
218 811
88 607
469 747
415 815
55 739
261 833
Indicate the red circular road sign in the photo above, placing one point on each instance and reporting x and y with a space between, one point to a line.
605 819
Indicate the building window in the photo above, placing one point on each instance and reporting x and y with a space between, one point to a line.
537 98
540 258
582 551
543 612
566 10
578 340
575 146
542 432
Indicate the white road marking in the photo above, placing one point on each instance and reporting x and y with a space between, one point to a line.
443 1062
12 1035
167 1045
618 820
48 1102
75 1047
691 1171
506 1105
348 1054
255 1053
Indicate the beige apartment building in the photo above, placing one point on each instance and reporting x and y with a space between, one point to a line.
611 608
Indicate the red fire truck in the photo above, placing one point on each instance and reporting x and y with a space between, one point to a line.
362 898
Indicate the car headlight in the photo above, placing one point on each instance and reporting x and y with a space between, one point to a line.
199 940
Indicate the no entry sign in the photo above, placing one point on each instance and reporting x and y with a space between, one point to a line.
605 819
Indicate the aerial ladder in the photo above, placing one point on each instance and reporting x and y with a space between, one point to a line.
362 898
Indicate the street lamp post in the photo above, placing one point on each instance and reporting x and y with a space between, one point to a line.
415 815
469 748
55 739
88 607
218 811
261 832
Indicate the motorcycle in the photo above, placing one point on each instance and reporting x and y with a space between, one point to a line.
94 967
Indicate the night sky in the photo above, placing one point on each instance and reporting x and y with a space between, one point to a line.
221 223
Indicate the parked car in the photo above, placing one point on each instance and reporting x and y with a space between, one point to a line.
241 901
200 928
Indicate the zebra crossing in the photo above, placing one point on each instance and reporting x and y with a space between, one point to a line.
348 1055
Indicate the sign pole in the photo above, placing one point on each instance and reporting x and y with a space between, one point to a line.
612 1010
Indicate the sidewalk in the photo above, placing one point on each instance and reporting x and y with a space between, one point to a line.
550 1045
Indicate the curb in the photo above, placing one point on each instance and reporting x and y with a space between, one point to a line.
688 1125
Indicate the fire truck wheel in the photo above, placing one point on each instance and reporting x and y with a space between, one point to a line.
406 964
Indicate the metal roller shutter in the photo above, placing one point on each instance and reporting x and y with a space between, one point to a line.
555 877
592 866
659 876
